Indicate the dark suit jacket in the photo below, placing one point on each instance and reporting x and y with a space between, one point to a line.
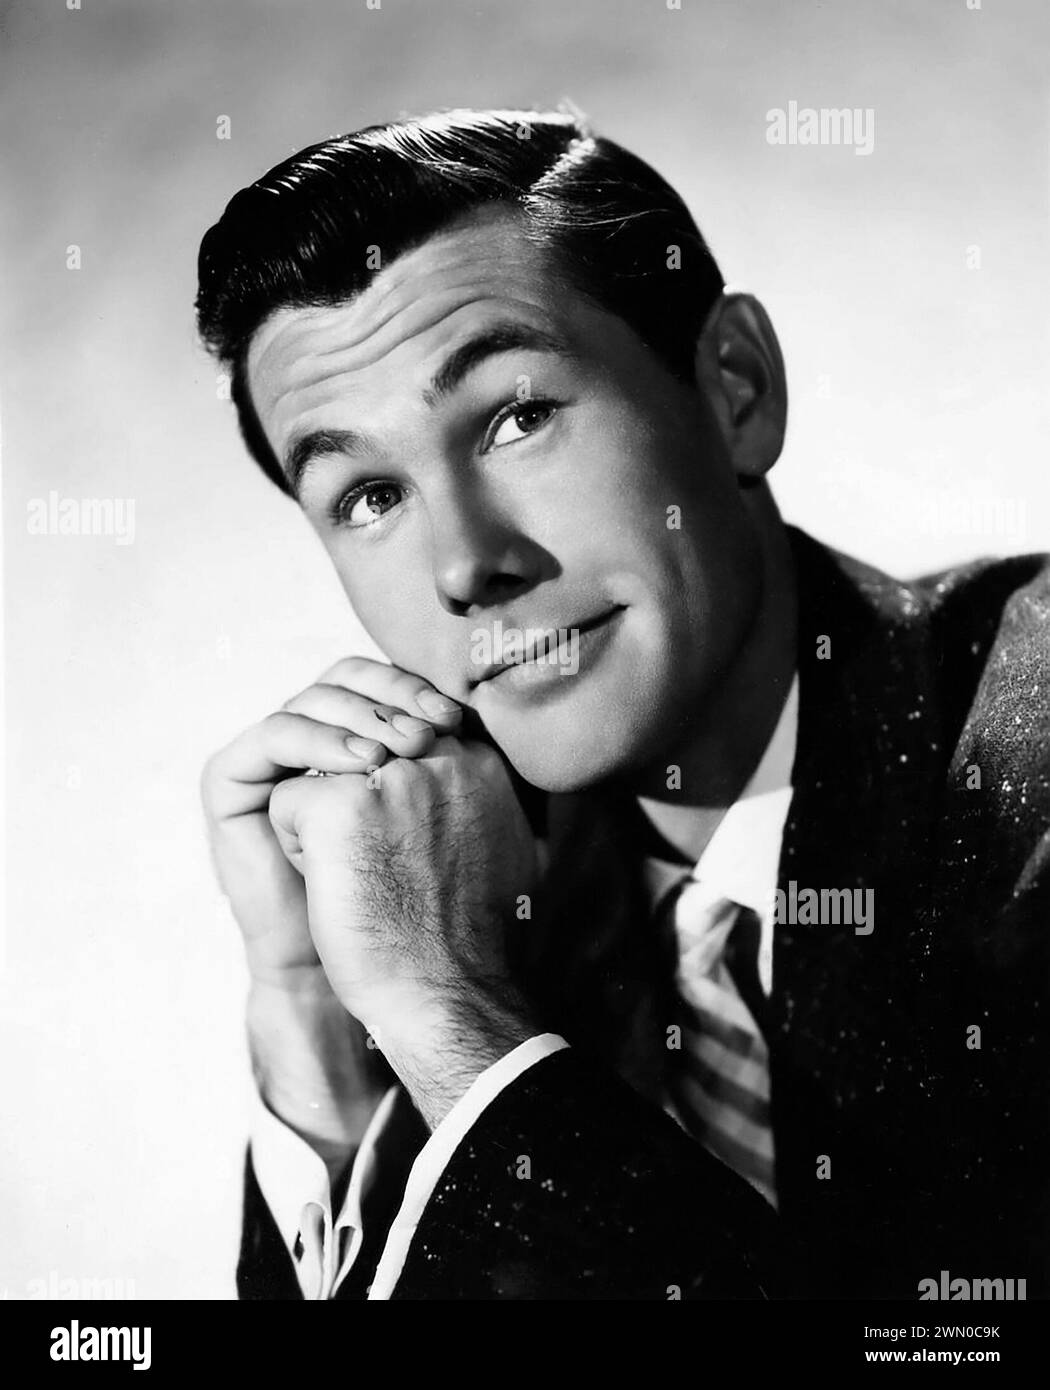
922 773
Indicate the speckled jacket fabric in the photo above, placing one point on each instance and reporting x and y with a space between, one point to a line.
922 773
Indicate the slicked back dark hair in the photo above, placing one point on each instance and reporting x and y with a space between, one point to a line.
305 233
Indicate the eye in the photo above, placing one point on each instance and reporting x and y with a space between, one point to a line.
366 504
517 421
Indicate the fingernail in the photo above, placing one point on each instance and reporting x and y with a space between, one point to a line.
430 702
409 724
363 747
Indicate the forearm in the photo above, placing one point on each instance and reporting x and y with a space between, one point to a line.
312 1066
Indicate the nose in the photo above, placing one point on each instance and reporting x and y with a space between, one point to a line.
480 557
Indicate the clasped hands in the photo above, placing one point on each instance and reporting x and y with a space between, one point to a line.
372 901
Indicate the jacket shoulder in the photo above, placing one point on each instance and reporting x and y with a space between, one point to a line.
986 589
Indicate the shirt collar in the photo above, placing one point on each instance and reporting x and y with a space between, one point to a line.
742 858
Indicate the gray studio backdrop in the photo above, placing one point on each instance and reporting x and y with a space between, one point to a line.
906 272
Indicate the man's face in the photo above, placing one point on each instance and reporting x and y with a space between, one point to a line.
483 453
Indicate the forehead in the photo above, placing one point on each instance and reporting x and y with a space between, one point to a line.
402 324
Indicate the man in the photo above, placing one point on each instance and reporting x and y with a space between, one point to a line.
759 832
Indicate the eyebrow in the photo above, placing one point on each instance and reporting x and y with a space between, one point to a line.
304 450
500 337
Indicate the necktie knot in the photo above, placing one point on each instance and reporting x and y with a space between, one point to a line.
703 919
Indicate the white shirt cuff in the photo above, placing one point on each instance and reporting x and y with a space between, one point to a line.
435 1154
292 1178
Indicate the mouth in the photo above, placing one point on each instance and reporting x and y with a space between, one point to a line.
529 656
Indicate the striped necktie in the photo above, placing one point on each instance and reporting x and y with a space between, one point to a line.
718 1087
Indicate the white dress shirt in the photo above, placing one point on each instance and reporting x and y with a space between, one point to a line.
741 861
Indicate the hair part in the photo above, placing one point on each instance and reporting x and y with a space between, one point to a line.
307 232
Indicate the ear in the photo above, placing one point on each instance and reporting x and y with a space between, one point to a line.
740 369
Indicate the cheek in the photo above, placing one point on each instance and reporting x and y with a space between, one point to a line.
392 601
607 497
643 476
681 505
673 526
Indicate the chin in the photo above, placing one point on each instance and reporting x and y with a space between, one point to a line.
545 771
560 755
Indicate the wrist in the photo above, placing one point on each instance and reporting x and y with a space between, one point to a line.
440 1042
311 1066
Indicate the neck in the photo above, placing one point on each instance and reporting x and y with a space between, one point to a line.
734 723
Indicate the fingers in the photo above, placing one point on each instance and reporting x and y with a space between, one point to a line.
405 735
339 800
390 685
238 779
358 713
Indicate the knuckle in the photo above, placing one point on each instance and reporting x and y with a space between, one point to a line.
483 764
285 802
489 759
328 688
399 770
406 682
277 722
385 714
337 808
469 759
343 671
276 804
